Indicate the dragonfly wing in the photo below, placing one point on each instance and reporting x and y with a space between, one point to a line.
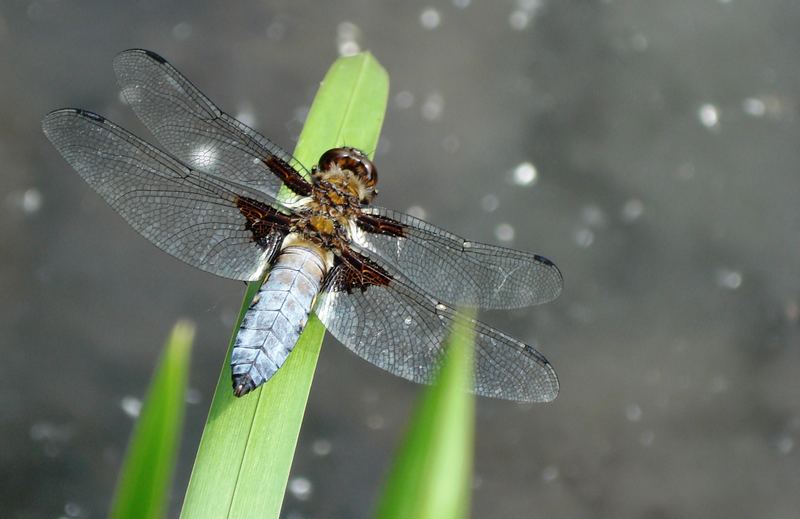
191 128
210 223
386 320
460 272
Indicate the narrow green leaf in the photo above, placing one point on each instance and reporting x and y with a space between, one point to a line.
248 444
144 482
432 473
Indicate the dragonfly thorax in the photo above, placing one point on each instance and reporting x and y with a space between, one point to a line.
327 215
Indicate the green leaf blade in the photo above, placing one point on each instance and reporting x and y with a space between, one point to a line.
245 455
144 483
431 476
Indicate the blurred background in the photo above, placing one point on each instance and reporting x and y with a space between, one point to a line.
649 148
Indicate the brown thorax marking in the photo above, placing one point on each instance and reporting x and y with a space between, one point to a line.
333 204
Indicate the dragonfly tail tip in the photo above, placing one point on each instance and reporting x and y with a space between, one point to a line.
242 384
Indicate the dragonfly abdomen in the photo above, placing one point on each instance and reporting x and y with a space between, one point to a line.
271 326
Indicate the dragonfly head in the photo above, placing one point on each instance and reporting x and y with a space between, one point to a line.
356 162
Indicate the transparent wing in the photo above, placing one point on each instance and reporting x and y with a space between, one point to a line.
399 329
460 272
196 218
191 128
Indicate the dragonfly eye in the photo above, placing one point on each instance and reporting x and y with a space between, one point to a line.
351 159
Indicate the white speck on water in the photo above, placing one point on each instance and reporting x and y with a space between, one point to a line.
73 509
519 19
51 436
633 412
451 144
35 11
680 345
376 422
31 200
347 36
530 5
593 216
300 488
754 106
384 146
584 237
632 210
653 376
774 107
729 278
647 438
461 4
433 106
785 444
504 232
300 113
792 311
719 384
131 406
639 42
490 203
686 171
247 115
28 201
430 18
227 316
349 48
321 447
182 31
193 396
347 30
550 474
417 212
708 115
370 396
404 99
46 431
524 174
276 30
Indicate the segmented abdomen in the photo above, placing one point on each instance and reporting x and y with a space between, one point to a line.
271 327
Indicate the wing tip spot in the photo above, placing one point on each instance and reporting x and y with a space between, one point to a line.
153 55
90 115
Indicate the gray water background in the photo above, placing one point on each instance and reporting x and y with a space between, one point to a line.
649 148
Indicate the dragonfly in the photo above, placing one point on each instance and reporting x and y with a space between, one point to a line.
384 283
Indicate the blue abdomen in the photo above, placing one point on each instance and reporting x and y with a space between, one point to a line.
271 326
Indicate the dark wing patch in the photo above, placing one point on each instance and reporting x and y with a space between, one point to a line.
460 272
288 175
263 220
377 224
356 272
198 218
193 129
